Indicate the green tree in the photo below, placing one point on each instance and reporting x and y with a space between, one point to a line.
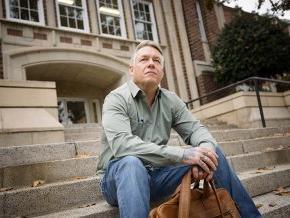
276 6
251 45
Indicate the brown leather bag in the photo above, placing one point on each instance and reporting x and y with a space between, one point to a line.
208 202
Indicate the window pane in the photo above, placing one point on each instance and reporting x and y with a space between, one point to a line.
141 7
34 16
14 12
33 4
111 30
72 22
62 10
150 36
110 20
24 3
148 17
146 7
71 12
24 14
63 21
104 29
80 24
76 112
139 29
78 3
14 2
79 14
118 32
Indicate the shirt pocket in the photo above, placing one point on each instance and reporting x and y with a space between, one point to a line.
139 127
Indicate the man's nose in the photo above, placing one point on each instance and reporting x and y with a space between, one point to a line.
151 63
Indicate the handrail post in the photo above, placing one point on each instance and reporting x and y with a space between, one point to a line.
259 103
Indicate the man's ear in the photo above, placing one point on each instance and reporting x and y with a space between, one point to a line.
131 69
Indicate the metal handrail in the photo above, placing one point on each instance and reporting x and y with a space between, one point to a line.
255 80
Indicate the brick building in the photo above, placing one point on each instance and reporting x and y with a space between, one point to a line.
83 48
202 26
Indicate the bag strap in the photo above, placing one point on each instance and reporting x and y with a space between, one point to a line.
216 196
185 195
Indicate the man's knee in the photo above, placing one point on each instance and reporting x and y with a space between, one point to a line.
131 163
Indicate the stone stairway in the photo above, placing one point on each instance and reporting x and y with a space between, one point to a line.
261 158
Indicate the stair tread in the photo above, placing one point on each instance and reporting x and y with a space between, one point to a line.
267 204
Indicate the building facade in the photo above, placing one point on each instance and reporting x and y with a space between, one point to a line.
84 47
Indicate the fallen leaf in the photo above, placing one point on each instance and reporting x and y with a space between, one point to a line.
80 177
87 205
259 205
282 192
5 189
272 204
263 169
37 183
82 155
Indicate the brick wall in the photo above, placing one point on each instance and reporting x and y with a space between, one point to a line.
1 63
192 28
205 81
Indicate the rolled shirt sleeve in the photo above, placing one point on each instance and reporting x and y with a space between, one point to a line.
190 129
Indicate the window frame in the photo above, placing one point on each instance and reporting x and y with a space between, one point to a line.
85 18
122 21
65 100
152 16
19 20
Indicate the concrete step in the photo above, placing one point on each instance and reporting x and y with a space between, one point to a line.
243 134
100 209
64 195
85 166
24 175
255 160
93 133
270 206
258 182
257 144
29 154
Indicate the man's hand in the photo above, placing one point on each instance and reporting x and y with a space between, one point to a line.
200 174
203 157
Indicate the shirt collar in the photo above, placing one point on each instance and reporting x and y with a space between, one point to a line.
134 89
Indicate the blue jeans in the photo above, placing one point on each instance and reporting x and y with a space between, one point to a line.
129 185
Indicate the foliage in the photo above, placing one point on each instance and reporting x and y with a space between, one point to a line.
276 6
251 45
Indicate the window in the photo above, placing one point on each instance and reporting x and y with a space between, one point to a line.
111 17
72 14
26 11
72 111
145 28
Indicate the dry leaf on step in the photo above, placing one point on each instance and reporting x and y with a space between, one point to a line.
259 205
282 192
80 177
272 204
37 183
5 189
87 205
263 169
82 155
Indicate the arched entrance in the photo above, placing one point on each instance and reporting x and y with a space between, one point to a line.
83 79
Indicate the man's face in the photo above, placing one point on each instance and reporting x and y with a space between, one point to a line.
147 67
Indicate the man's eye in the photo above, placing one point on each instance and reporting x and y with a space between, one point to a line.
157 60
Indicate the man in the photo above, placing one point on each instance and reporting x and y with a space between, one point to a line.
136 165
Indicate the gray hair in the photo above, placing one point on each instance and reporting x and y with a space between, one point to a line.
150 44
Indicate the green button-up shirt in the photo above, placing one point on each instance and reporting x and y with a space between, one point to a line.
132 127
